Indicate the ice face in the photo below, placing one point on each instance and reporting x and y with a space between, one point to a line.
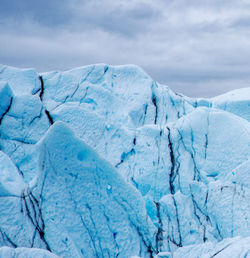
103 161
85 198
11 182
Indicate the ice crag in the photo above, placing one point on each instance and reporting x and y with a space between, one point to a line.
102 161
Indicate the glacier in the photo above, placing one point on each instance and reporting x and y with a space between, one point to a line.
102 161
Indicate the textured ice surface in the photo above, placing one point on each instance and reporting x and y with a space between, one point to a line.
87 208
134 169
22 81
234 247
11 182
236 102
22 252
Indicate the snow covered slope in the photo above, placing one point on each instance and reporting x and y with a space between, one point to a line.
102 161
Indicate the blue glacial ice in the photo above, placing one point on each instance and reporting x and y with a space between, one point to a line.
102 161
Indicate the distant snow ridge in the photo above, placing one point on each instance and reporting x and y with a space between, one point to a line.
101 161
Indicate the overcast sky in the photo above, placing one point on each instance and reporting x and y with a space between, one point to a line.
199 48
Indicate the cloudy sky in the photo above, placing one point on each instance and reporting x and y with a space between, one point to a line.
199 48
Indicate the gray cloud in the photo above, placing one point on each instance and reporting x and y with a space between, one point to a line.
44 12
241 23
114 16
198 48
